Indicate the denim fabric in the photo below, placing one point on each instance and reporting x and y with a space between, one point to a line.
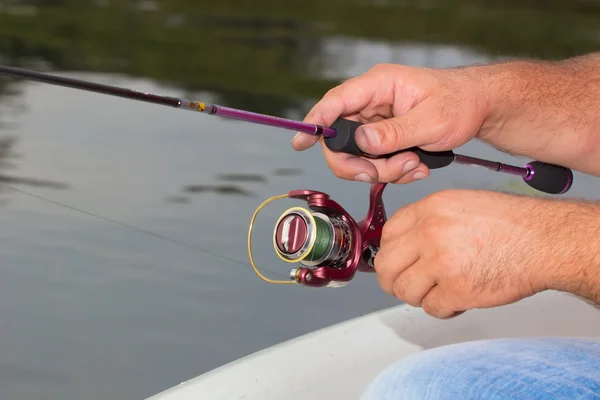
525 368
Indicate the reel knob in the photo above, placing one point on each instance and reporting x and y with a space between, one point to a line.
291 235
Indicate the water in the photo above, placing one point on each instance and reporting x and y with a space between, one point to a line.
91 309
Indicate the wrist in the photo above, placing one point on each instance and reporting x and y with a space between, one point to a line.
517 88
575 250
544 109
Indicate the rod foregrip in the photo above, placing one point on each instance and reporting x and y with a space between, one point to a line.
549 178
344 142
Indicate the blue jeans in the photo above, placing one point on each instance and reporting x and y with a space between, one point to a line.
525 368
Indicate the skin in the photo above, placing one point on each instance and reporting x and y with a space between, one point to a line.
458 250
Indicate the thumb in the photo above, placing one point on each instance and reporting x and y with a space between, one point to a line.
417 128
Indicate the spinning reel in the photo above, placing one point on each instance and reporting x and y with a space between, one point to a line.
329 244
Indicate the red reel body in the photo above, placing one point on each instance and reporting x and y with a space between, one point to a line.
330 244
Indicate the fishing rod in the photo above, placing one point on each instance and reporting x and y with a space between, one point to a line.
339 137
324 238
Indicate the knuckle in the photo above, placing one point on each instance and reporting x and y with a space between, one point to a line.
380 68
397 133
331 96
430 308
442 126
391 136
387 232
384 277
402 291
430 227
396 223
433 307
448 272
380 264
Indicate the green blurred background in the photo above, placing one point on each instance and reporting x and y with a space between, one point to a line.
253 51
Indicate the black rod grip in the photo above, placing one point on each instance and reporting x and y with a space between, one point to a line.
549 178
344 142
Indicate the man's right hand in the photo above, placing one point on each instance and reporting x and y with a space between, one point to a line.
523 107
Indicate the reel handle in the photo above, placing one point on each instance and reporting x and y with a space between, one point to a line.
345 142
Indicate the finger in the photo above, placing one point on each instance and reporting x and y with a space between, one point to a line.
439 305
412 285
350 167
393 259
303 141
419 127
400 168
350 97
400 224
420 173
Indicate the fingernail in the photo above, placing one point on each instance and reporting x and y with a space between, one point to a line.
367 138
296 136
412 164
364 177
419 175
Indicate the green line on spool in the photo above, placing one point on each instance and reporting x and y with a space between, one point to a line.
323 241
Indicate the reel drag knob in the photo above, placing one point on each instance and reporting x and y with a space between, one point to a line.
311 239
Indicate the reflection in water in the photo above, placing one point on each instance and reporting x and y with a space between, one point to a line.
6 155
12 107
287 172
232 190
178 199
7 152
242 177
32 182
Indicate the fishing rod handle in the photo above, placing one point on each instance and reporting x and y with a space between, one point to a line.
548 178
344 141
541 176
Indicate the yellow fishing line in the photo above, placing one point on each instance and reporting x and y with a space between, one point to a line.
264 278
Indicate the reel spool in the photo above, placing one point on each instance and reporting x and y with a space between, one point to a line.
324 239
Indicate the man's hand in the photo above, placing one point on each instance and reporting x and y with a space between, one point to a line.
401 107
458 250
549 111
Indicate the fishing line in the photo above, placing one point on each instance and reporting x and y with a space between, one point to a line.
135 228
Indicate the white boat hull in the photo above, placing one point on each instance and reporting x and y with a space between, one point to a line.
341 360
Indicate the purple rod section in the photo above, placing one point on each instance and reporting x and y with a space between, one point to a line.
273 121
493 165
169 101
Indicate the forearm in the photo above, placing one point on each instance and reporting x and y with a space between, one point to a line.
573 242
545 110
